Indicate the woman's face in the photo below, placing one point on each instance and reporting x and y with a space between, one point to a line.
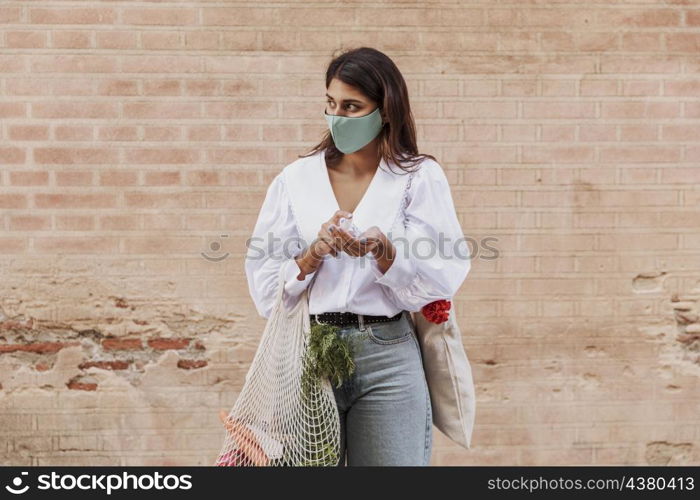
345 100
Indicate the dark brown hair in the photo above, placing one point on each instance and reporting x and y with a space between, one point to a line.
375 75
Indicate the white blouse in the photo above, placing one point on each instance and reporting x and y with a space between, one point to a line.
432 255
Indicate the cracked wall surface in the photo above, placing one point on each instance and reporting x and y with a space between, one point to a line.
110 379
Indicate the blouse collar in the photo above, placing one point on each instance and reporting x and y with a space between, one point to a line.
314 202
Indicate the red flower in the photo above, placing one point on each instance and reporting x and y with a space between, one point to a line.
437 311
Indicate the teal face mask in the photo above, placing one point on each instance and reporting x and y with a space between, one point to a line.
353 133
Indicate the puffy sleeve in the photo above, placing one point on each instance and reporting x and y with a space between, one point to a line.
271 250
432 258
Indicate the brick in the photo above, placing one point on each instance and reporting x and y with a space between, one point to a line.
72 15
165 343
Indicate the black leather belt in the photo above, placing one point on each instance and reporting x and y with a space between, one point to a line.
348 318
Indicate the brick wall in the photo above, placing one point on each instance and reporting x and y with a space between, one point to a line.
136 136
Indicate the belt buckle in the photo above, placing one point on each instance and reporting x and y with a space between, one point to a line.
361 322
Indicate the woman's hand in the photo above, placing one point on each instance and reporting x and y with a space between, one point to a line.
323 245
326 236
372 240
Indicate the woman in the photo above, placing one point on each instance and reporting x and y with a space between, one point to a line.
366 174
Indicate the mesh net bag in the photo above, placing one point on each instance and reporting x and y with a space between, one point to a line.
285 415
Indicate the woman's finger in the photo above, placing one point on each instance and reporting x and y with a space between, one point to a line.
327 247
339 215
365 245
347 240
332 237
359 247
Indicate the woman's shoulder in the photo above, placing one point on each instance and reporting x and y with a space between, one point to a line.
428 183
301 166
296 170
428 171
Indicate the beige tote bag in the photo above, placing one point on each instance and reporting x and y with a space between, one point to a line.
449 376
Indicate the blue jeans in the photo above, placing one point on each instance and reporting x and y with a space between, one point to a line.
385 411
